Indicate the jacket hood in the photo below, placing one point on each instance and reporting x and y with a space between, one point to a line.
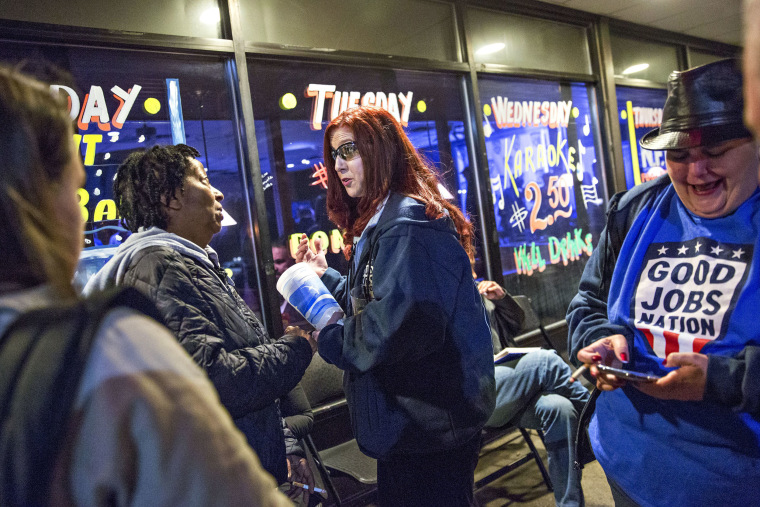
403 210
113 272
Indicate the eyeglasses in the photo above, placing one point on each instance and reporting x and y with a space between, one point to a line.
346 151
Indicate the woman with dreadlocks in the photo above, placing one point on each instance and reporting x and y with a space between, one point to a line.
414 343
165 198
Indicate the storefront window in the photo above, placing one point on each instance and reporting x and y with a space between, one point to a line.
415 28
547 181
528 43
294 102
639 111
697 57
123 101
638 59
190 18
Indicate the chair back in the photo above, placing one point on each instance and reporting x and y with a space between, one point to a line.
531 322
322 382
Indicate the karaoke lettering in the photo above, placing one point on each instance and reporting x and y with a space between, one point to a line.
569 248
510 114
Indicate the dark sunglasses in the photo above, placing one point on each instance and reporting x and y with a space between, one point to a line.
346 151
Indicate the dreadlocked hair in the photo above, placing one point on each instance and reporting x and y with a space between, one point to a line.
147 181
391 164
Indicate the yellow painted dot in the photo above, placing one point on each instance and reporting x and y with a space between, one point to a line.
151 105
576 112
487 109
228 271
623 114
421 106
288 101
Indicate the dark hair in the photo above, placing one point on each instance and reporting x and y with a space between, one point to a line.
391 164
281 242
36 146
147 181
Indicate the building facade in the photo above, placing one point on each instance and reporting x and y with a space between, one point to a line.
530 113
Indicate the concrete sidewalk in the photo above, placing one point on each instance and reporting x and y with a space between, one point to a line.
524 486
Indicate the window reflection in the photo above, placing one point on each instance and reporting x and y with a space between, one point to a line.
293 103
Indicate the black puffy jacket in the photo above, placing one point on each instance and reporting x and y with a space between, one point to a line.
200 306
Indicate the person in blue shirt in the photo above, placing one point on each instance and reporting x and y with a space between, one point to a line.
672 289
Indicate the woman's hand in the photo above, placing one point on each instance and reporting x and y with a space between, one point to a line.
610 351
315 260
299 471
491 290
687 383
297 331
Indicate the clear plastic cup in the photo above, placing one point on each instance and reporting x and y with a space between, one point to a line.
303 289
358 302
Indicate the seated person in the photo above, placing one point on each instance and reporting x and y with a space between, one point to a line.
536 391
681 304
165 194
146 426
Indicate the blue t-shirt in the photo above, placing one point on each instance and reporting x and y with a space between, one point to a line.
683 284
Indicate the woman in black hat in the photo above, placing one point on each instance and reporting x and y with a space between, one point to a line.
680 304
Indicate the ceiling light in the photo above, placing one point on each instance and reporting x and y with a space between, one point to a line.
490 48
211 16
635 68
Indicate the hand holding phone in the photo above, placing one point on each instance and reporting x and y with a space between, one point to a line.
628 375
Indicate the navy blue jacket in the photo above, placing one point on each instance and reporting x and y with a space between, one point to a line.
419 374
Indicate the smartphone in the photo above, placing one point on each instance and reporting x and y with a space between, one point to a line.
632 376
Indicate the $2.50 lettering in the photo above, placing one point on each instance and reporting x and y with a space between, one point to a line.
559 196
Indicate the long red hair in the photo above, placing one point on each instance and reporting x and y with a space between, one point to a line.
391 164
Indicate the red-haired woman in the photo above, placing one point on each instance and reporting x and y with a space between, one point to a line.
419 375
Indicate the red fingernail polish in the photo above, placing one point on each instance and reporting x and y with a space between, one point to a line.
596 357
624 357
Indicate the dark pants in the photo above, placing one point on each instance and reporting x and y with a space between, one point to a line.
620 497
435 479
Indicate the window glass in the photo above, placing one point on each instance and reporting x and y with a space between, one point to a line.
191 18
639 111
697 57
294 102
638 59
547 181
125 101
528 43
416 28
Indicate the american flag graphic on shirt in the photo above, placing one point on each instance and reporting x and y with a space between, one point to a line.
686 292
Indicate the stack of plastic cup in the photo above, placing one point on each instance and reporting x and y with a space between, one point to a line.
303 289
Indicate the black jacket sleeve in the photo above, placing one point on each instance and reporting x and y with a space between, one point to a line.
735 381
508 318
247 378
